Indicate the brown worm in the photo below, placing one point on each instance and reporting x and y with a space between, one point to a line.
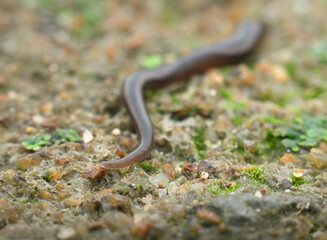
231 51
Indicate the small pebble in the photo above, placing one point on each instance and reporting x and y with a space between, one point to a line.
95 173
159 180
191 167
279 74
204 175
215 78
37 119
162 192
246 75
205 166
318 161
87 136
169 170
258 194
66 233
208 216
298 172
119 201
96 226
47 108
223 227
141 229
30 130
288 159
323 146
120 153
116 132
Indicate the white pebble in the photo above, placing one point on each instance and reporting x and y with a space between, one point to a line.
66 233
160 178
38 119
162 192
116 132
204 175
87 136
258 194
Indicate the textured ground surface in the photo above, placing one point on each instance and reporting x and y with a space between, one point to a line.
240 152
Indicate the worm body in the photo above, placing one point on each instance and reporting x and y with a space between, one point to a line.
231 51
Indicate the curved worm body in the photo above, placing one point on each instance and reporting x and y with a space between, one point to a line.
233 50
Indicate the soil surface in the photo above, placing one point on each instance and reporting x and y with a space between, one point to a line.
240 152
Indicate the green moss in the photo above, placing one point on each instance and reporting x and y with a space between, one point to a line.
39 141
225 94
218 188
148 168
230 105
152 61
151 93
297 181
257 174
237 121
291 69
65 135
91 14
274 121
47 176
199 142
306 132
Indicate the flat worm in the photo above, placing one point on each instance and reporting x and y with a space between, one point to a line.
230 51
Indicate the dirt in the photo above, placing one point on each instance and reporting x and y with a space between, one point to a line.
240 152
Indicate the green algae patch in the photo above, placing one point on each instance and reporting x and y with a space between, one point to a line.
199 142
218 188
152 61
65 135
148 168
305 132
297 181
39 141
256 174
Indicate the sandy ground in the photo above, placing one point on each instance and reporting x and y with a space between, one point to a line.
240 152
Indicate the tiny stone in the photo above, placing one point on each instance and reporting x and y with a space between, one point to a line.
87 136
66 233
162 192
323 146
30 130
38 119
204 175
279 74
223 227
298 172
205 166
169 170
208 216
215 78
258 194
159 179
288 158
116 132
119 201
